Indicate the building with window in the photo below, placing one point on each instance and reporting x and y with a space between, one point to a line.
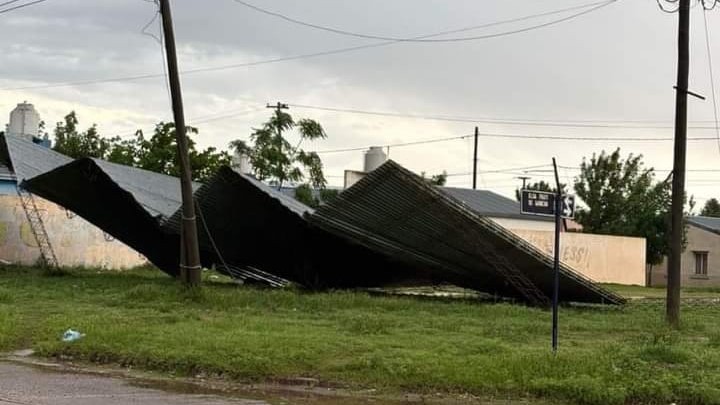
701 258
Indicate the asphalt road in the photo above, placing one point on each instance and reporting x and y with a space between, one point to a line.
25 385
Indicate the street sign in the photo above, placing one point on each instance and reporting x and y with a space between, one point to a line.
543 203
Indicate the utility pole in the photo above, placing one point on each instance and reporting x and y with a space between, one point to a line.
524 180
278 111
475 159
190 269
678 179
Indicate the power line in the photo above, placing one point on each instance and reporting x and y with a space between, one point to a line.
595 6
246 64
515 136
8 3
32 3
509 121
712 76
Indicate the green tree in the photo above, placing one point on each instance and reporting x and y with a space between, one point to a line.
159 153
622 198
436 179
711 208
69 141
275 160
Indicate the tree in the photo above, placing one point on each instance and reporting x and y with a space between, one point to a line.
275 160
711 208
622 198
70 142
538 186
157 154
436 179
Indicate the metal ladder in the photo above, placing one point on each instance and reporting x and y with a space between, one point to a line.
37 226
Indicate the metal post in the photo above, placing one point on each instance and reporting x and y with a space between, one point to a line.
556 261
678 180
190 269
475 160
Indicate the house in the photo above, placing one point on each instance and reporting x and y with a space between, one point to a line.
700 261
54 234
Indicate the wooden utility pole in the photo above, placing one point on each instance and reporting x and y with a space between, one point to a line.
475 159
678 180
190 269
278 111
556 259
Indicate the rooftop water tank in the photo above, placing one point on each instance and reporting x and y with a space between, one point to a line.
24 121
374 158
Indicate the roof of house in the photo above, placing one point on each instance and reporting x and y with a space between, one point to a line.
709 224
157 193
490 204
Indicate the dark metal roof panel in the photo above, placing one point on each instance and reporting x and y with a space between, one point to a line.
158 193
395 211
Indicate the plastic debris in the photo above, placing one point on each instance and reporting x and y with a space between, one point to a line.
72 335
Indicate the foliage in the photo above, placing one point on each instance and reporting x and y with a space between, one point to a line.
711 208
391 345
69 141
622 198
275 160
436 179
158 153
538 186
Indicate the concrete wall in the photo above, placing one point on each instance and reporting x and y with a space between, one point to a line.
698 240
528 224
76 242
602 258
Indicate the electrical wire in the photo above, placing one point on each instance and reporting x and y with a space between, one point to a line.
538 123
515 136
8 3
248 64
32 3
595 6
712 76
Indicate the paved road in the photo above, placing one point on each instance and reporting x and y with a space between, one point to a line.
24 385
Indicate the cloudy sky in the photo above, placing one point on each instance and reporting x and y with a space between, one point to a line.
608 73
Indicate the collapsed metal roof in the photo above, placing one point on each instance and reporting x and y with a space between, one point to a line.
488 203
395 211
390 228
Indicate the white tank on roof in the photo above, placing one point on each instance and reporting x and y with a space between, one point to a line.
374 158
24 121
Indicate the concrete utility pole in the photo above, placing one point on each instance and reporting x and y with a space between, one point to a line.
278 111
190 269
680 152
475 159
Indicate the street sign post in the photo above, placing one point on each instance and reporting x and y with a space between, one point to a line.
559 206
543 203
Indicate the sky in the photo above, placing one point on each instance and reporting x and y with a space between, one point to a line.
607 73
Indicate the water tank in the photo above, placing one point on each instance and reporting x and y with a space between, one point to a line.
24 121
374 158
241 163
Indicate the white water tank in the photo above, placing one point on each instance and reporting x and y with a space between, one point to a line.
24 121
241 163
374 158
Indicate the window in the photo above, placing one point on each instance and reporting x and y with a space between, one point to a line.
701 263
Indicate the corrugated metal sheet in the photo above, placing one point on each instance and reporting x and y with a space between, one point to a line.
490 204
29 160
397 212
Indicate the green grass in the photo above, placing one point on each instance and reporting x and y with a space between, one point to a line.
394 344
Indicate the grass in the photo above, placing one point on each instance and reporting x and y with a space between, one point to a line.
394 344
